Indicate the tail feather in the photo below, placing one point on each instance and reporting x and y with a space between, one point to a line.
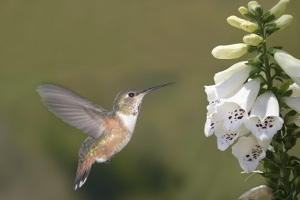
83 171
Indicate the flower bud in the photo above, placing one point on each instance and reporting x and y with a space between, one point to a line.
283 21
252 5
230 51
243 10
249 26
279 8
235 21
242 24
252 39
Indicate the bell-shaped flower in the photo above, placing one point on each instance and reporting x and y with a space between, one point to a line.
289 64
222 90
226 138
231 51
279 8
283 21
249 151
228 82
264 120
252 39
225 74
292 102
234 110
234 83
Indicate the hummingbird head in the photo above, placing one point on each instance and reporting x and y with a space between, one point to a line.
129 101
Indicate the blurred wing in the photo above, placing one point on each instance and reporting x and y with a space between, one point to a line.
73 109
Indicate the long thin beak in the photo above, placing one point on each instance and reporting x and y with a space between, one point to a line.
156 87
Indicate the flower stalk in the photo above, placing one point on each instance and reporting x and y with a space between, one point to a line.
253 111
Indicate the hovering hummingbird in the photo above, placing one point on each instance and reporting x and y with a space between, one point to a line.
108 131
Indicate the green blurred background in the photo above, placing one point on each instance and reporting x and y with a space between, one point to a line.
98 48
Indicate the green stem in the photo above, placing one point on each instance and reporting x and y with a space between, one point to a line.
267 66
265 56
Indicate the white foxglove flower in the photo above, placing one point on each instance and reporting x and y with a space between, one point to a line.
249 151
283 21
234 83
292 102
231 51
228 83
289 64
225 74
264 120
279 8
226 138
234 110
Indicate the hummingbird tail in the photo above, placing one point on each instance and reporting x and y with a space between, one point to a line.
83 171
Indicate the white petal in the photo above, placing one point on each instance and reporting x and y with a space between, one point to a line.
292 102
209 127
232 114
249 152
234 111
266 105
212 98
247 95
289 64
225 138
296 90
223 75
264 120
234 83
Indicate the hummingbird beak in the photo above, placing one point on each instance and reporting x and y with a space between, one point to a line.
156 87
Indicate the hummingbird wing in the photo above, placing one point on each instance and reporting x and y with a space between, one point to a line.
73 109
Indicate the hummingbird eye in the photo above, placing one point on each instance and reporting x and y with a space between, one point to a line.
131 94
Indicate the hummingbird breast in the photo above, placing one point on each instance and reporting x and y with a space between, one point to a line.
115 137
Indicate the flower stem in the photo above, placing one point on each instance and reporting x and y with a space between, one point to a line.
265 55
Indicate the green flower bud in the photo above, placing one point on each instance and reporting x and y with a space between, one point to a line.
249 26
230 51
252 39
279 8
283 21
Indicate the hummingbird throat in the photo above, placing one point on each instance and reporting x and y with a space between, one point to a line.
128 115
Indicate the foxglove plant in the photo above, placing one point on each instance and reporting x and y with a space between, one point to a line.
254 105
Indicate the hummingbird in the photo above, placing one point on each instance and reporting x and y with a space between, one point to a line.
108 131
